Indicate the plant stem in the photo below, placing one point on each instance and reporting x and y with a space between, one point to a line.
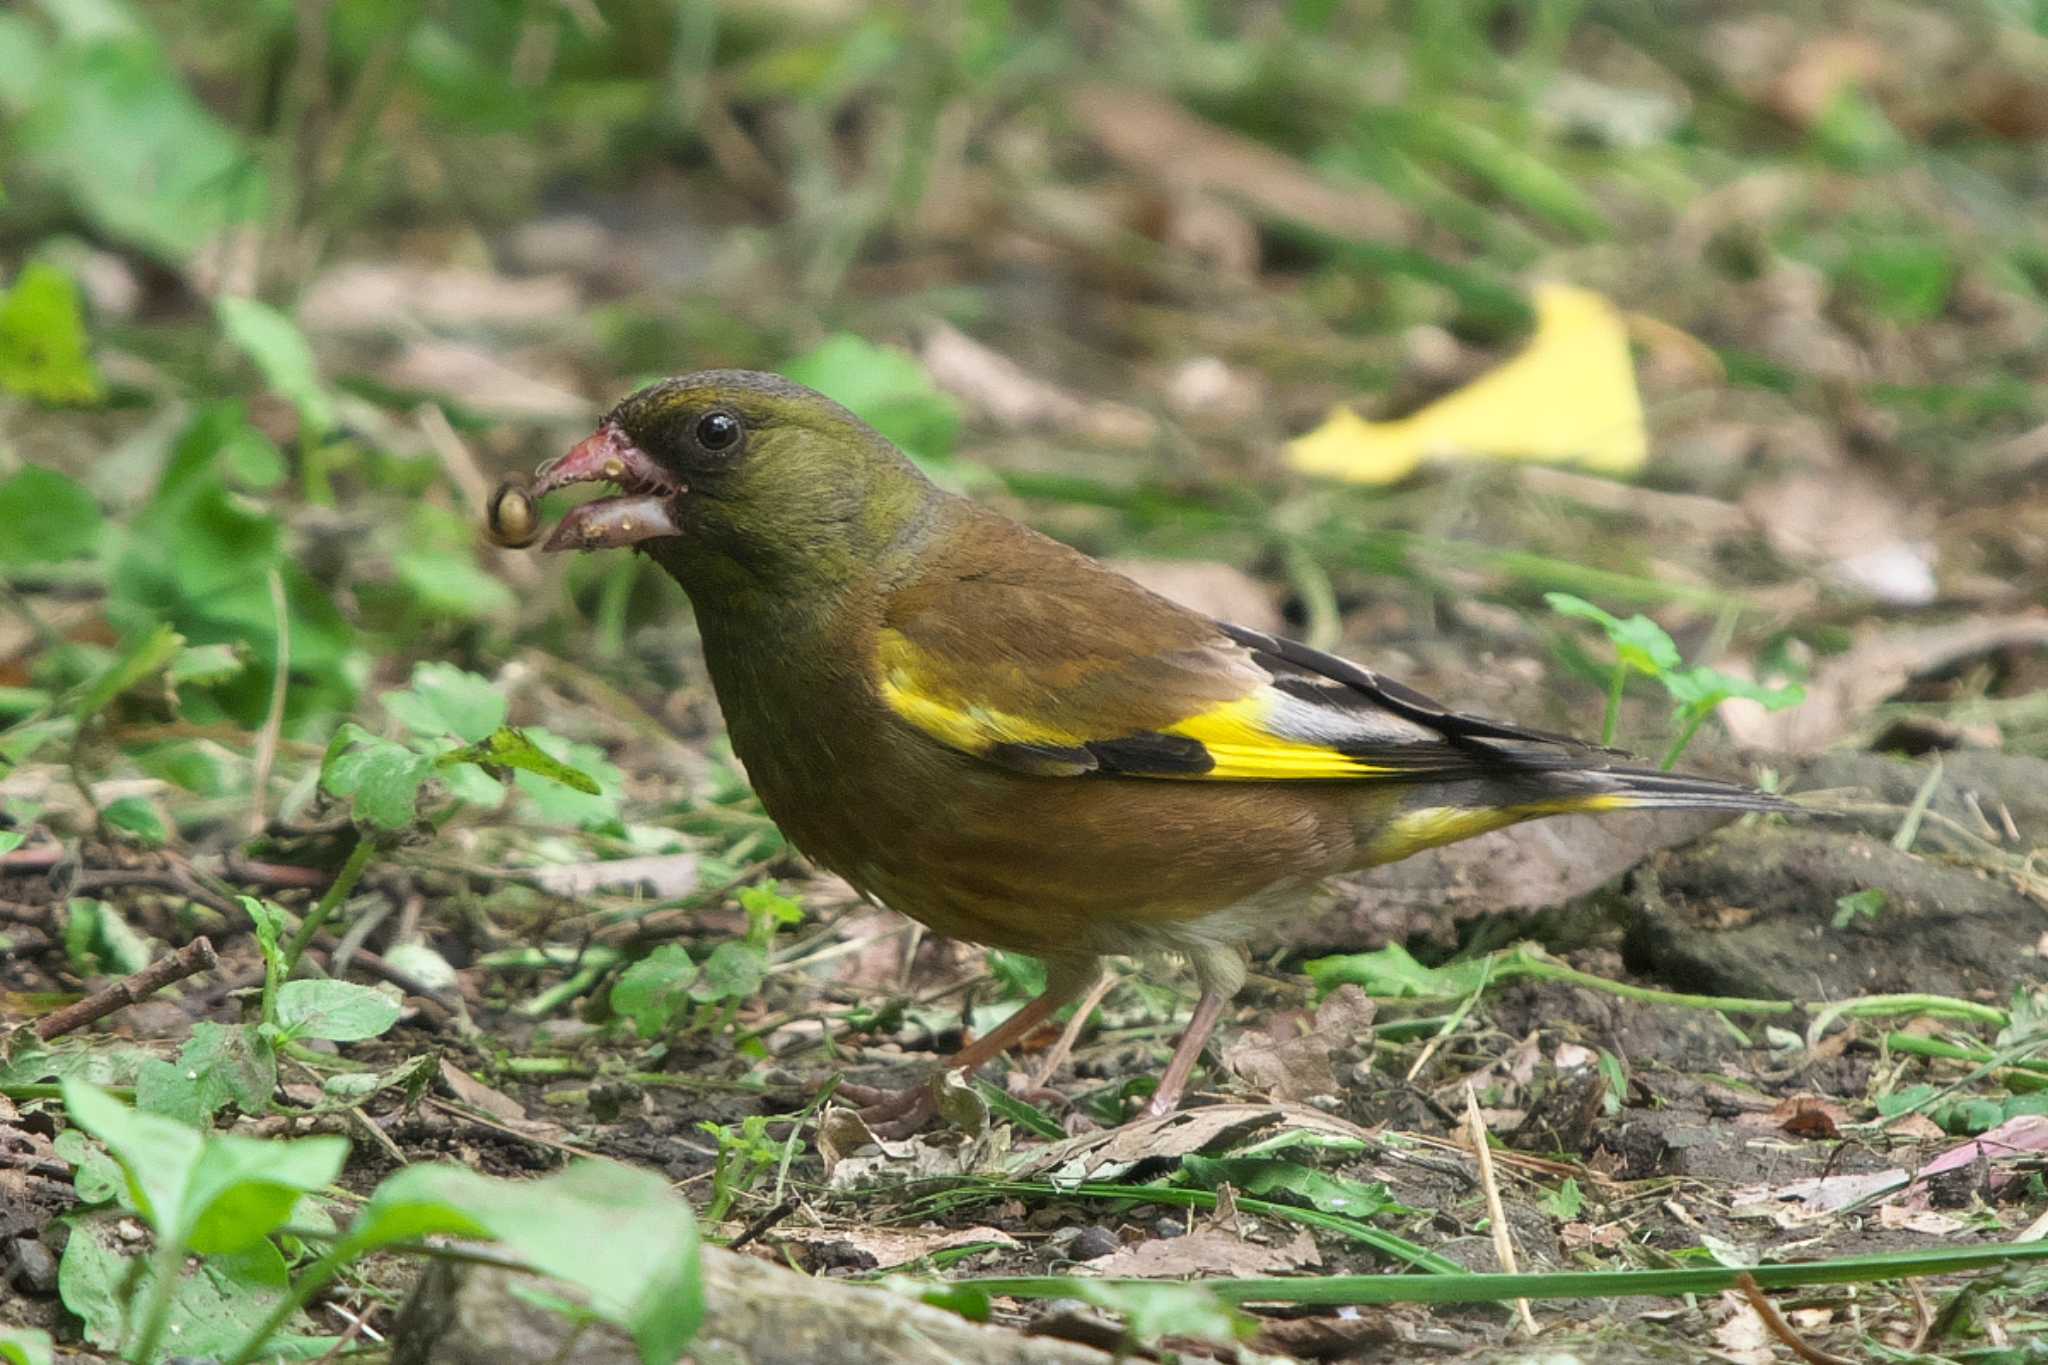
1607 722
1678 746
303 1289
351 873
164 1266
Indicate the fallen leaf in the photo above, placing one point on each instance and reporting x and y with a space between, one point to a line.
1210 1250
888 1247
1212 1128
2024 1135
854 1156
1569 397
1291 1057
1929 1222
1155 137
1002 392
664 876
1223 591
1814 1196
1743 1336
477 1095
381 297
1845 688
1805 1116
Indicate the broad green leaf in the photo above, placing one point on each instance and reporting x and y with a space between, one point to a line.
96 1176
1699 690
111 124
339 1011
1391 971
43 350
1638 642
217 1302
732 972
139 661
620 1235
48 517
25 1346
10 840
887 388
212 1194
510 748
654 990
1266 1177
1152 1311
219 1065
566 804
448 582
283 357
135 817
205 665
442 699
381 779
99 941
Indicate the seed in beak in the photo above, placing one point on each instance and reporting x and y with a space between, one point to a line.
614 470
510 517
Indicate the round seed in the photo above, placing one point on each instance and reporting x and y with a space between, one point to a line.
511 519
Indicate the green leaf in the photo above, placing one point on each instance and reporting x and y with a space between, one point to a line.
135 817
1908 280
1152 1311
114 127
219 1065
25 1346
211 1194
10 840
510 748
43 350
98 941
561 803
1700 690
338 1011
1392 971
654 990
381 779
1868 903
217 1302
1265 1177
282 355
733 972
620 1235
448 582
48 517
1638 642
888 389
1565 1202
95 1176
142 659
442 699
205 665
270 925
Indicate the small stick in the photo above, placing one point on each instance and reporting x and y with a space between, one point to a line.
1783 1330
273 719
1496 1212
763 1223
196 956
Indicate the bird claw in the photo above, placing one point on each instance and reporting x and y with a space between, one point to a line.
892 1114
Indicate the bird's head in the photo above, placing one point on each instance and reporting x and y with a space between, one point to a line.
730 469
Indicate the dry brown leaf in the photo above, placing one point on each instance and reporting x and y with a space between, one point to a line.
481 381
1106 1155
663 876
1223 591
1845 688
477 1095
380 297
1291 1056
854 1156
1928 1222
888 1247
1001 391
1156 137
1853 528
1806 1116
1813 1197
1210 1250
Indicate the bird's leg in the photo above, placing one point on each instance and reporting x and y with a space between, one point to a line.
1186 1052
898 1113
1071 1034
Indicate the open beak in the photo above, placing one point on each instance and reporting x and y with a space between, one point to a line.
640 512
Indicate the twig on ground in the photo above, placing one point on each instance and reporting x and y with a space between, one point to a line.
1496 1212
273 719
196 956
1783 1330
763 1223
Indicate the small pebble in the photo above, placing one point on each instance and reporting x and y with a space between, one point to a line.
1169 1227
32 1267
1093 1243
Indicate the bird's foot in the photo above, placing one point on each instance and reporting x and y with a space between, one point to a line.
892 1114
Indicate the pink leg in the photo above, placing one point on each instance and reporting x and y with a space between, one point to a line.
898 1113
1072 1032
1186 1052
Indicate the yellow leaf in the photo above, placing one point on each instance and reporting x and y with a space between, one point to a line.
1568 398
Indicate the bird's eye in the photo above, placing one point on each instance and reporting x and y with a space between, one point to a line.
718 431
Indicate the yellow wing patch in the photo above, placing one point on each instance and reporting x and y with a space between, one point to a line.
1239 738
959 721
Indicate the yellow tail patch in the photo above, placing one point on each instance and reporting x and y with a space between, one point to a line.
1415 830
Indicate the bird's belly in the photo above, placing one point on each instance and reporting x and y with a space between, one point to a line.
1060 866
